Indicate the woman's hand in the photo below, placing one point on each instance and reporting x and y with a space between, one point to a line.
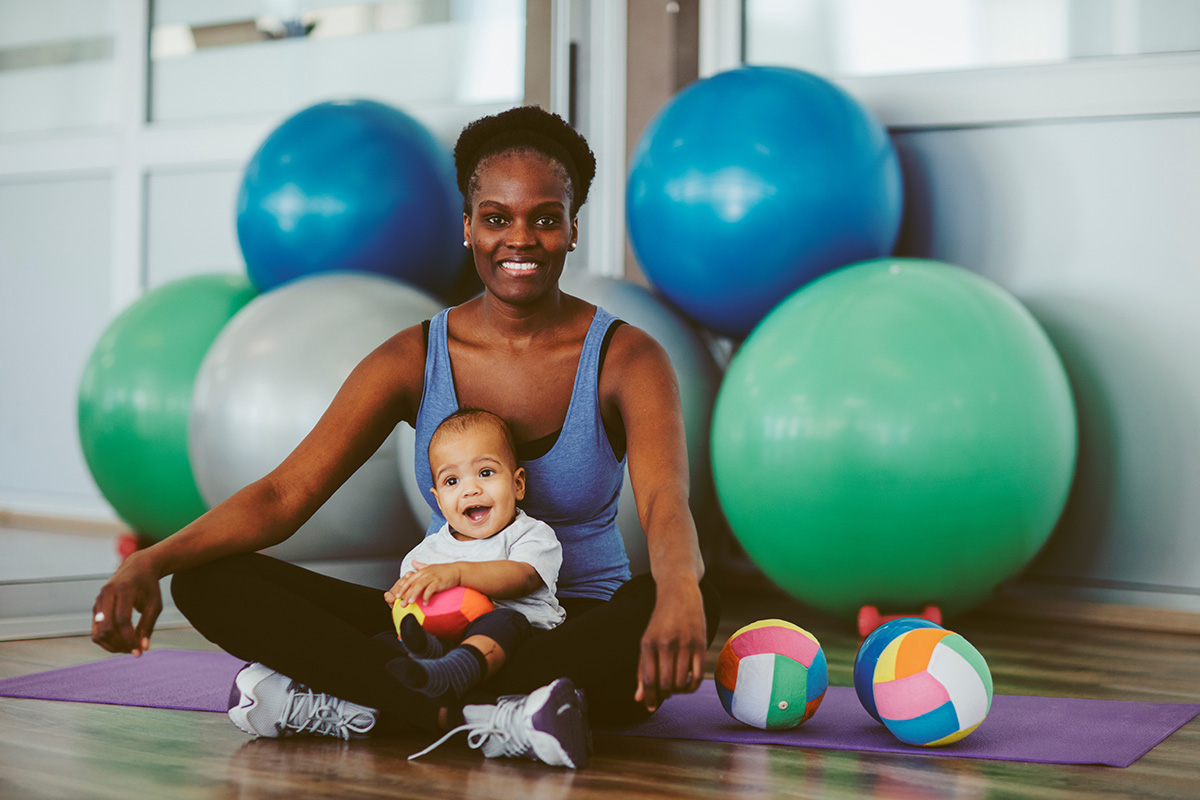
673 646
133 587
423 583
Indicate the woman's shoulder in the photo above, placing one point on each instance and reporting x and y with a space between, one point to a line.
636 367
396 366
407 347
632 347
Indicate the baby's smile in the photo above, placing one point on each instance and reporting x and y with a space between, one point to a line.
477 513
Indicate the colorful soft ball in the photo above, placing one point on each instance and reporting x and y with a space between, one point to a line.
772 675
447 613
869 652
930 686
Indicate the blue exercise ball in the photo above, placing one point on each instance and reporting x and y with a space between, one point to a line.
354 186
751 183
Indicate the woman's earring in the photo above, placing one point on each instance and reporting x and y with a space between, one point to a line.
571 246
466 243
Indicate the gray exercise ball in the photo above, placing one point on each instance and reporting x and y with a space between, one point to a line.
267 379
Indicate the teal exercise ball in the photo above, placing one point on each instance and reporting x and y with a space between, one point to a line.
351 186
749 184
135 394
898 433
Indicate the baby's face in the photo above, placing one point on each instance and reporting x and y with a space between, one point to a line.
475 482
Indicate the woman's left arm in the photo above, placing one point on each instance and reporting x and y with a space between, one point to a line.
638 382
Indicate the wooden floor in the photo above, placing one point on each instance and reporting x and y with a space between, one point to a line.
74 750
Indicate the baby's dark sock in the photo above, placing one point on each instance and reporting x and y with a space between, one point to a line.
452 674
389 639
419 641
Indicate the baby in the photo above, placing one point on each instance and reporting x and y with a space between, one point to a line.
487 544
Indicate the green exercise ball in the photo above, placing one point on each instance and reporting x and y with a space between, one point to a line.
898 433
136 393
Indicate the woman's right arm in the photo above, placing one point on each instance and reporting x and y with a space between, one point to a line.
383 390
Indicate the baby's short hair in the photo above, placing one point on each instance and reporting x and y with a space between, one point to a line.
466 419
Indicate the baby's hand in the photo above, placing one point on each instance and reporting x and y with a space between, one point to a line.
423 583
398 588
393 594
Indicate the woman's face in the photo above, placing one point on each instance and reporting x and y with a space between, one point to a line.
520 228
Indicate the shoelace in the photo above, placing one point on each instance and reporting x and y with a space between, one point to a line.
322 714
503 725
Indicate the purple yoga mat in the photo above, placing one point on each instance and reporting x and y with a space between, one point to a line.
189 680
1052 730
1055 730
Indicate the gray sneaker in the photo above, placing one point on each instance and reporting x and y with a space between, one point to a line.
548 725
267 703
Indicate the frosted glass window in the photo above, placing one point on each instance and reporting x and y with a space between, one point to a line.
879 37
191 225
268 57
56 65
55 262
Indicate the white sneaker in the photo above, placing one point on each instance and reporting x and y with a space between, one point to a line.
548 725
267 703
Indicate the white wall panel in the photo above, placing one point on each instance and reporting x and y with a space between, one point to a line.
191 225
54 287
438 64
85 97
285 76
34 22
1092 224
56 66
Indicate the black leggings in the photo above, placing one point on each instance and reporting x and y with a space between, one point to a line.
505 626
320 631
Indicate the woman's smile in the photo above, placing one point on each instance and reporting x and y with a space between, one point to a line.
520 268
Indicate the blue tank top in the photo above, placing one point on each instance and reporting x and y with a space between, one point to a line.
574 487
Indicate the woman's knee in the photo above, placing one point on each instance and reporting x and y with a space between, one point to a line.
196 586
505 626
640 591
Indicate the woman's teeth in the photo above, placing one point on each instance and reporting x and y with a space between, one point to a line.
519 266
